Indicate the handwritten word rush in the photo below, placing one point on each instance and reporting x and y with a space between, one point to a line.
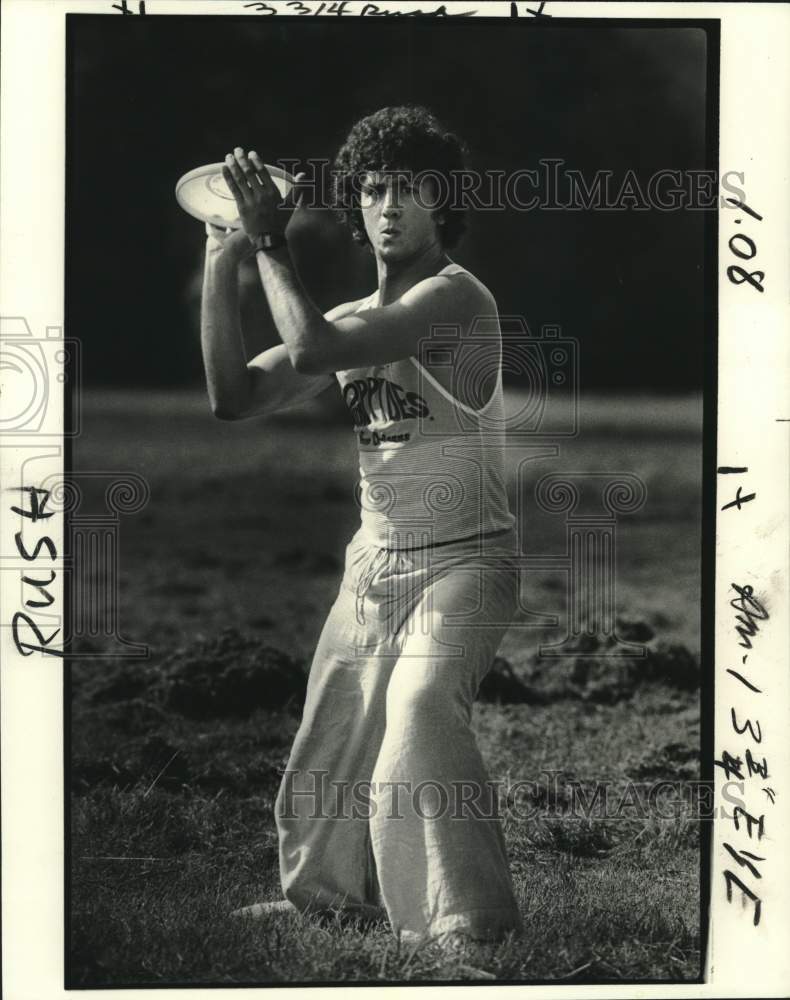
41 597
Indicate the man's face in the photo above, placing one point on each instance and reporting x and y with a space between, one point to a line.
398 215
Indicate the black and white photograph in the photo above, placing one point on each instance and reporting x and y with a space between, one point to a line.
394 653
392 468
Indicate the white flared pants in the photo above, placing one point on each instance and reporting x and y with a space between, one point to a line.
386 804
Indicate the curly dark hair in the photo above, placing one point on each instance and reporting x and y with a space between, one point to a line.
400 139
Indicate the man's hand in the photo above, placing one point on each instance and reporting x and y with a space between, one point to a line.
233 244
261 208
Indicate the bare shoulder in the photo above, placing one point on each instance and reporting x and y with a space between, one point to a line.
455 302
454 296
478 292
465 306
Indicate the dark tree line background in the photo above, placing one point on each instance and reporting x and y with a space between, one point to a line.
152 97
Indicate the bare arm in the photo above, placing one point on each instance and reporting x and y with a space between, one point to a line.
318 344
275 383
238 388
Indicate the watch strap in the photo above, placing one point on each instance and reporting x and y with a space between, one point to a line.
267 241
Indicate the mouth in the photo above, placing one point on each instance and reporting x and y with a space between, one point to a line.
390 231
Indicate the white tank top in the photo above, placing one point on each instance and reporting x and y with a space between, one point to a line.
431 467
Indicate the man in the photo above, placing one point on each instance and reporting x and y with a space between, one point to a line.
385 808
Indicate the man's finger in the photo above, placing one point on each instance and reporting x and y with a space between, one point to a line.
247 169
239 187
233 179
257 161
264 176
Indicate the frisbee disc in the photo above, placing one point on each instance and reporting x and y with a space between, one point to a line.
204 194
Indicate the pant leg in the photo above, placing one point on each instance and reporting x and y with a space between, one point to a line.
324 838
442 865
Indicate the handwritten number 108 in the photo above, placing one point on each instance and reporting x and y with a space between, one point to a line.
745 248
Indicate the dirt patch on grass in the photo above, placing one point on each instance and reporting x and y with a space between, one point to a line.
676 761
593 670
230 675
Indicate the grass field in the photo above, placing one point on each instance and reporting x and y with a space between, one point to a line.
227 575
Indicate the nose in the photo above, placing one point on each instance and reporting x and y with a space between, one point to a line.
391 206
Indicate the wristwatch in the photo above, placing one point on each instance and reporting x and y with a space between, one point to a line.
267 241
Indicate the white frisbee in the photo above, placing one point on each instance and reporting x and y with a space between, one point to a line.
204 194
